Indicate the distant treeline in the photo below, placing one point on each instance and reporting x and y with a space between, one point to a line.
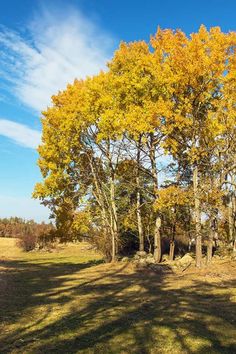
18 227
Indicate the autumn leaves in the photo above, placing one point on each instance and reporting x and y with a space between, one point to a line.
176 95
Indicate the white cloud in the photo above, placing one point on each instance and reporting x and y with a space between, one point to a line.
58 49
20 133
36 62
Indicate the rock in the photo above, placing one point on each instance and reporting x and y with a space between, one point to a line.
125 259
142 261
135 262
185 261
174 268
165 257
150 260
141 265
177 258
141 253
136 257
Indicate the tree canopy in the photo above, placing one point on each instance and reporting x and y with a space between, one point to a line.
146 150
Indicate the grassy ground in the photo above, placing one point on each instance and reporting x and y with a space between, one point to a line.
70 302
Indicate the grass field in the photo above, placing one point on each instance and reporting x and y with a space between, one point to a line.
69 301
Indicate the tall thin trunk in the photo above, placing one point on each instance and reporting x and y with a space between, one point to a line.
138 200
100 196
231 207
172 250
188 224
234 246
107 206
114 221
139 218
234 212
157 233
148 239
172 243
197 217
213 227
210 240
230 219
157 240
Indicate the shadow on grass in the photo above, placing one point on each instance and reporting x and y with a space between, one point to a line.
114 311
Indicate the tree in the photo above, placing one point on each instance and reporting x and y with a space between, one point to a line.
104 139
201 68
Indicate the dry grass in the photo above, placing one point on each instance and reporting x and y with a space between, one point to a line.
68 301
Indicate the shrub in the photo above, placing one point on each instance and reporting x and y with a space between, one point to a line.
28 241
36 236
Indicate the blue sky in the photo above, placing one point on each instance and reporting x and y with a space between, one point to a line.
46 44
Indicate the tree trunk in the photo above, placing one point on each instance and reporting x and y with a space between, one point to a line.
148 240
234 217
113 220
212 235
197 217
210 246
172 241
138 200
234 233
234 247
172 250
101 199
139 219
233 203
157 241
230 219
157 234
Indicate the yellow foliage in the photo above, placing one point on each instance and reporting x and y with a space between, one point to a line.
171 197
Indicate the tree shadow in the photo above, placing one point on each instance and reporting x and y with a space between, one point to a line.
115 310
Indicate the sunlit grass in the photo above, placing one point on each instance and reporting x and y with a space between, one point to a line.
71 302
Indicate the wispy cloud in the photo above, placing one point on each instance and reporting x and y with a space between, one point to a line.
54 50
20 134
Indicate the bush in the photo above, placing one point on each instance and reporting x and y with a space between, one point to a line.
27 242
102 241
34 237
